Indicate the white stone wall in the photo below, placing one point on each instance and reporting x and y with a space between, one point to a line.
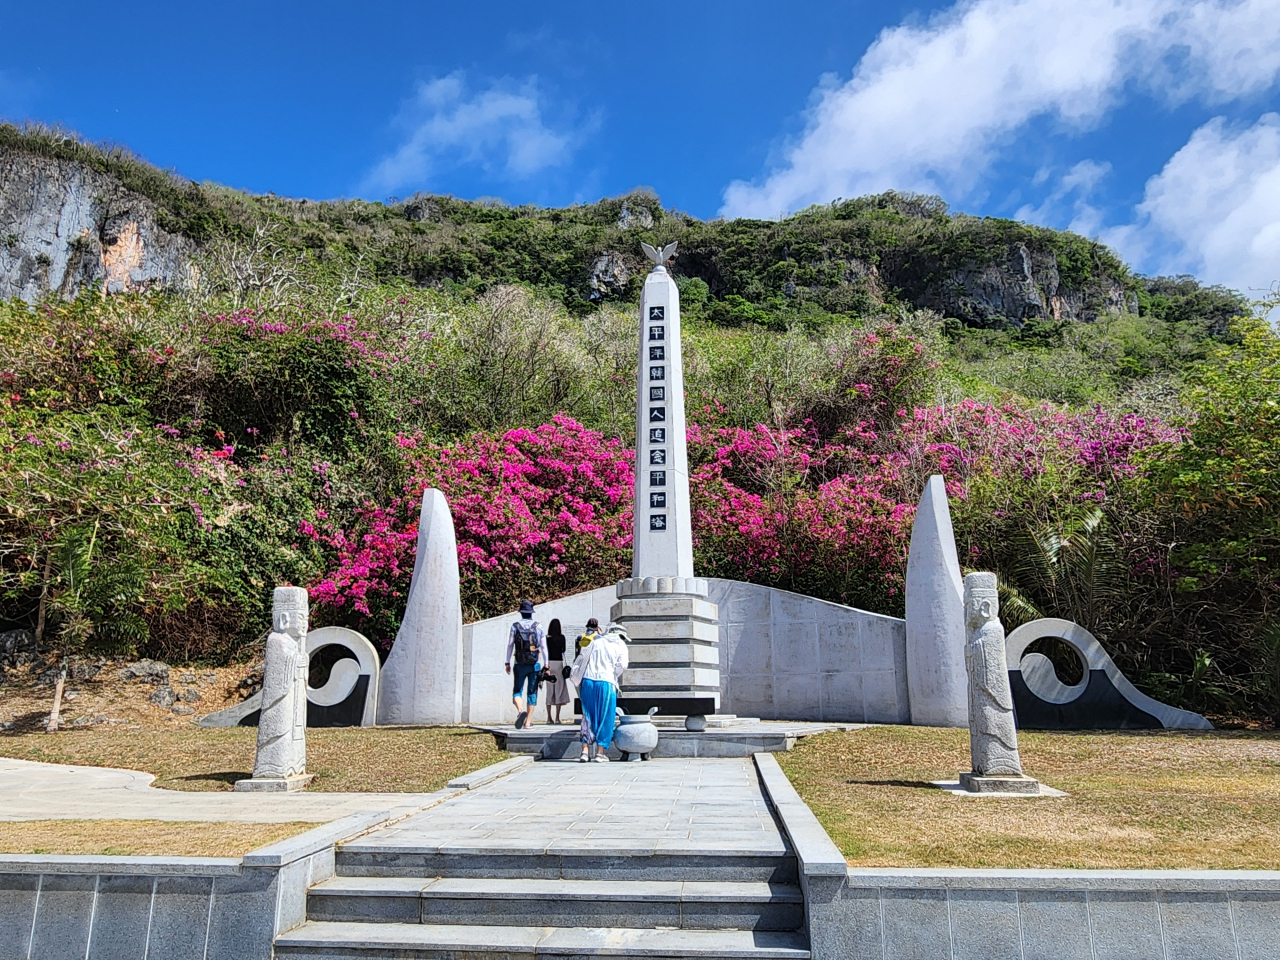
783 656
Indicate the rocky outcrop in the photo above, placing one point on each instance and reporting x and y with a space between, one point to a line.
1025 286
66 227
609 276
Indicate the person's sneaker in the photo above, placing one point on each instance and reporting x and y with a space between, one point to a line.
584 758
601 758
520 721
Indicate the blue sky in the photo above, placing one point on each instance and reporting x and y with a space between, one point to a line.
1151 124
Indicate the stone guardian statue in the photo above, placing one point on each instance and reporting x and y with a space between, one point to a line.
281 760
993 734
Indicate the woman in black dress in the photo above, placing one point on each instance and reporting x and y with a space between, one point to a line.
557 685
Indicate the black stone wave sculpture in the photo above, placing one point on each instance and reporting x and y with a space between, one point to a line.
349 698
1104 699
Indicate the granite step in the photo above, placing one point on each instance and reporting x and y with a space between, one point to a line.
688 905
756 863
321 940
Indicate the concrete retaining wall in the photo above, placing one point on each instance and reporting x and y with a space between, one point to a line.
1059 914
175 908
783 656
947 914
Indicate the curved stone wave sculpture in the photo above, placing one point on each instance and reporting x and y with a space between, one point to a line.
1104 699
348 699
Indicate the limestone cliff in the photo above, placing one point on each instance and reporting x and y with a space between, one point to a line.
66 227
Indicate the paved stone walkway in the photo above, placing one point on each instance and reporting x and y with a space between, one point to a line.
685 805
50 791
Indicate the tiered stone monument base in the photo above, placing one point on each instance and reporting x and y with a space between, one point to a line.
274 784
674 649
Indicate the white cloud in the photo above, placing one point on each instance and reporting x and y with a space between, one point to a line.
500 129
928 107
1214 210
1077 183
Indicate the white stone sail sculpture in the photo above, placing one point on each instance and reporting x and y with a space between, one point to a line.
674 632
421 681
937 685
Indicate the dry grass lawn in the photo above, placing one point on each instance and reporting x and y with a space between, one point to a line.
187 757
141 838
1187 800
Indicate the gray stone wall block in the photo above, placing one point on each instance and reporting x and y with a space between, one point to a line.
1197 926
984 925
789 607
1055 925
742 603
797 696
294 879
844 921
795 647
883 698
842 697
882 641
730 634
17 906
839 645
242 924
180 918
754 651
1256 919
120 918
916 924
1125 925
752 695
63 911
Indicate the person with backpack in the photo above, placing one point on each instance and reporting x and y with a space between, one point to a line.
596 672
528 644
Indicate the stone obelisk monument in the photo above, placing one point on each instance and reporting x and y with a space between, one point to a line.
675 658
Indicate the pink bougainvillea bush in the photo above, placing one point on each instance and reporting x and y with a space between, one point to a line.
544 512
537 513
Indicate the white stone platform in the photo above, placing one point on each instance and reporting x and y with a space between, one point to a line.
738 740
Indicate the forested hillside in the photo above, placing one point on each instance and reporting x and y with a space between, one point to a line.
207 393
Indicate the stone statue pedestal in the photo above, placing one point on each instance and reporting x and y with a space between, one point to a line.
674 646
974 783
274 784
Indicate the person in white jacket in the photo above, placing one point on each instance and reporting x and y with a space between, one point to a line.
596 673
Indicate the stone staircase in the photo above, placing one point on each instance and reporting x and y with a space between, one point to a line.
406 903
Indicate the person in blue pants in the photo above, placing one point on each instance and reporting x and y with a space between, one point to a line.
528 645
596 672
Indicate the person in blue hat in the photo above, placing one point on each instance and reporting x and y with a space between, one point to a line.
528 645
